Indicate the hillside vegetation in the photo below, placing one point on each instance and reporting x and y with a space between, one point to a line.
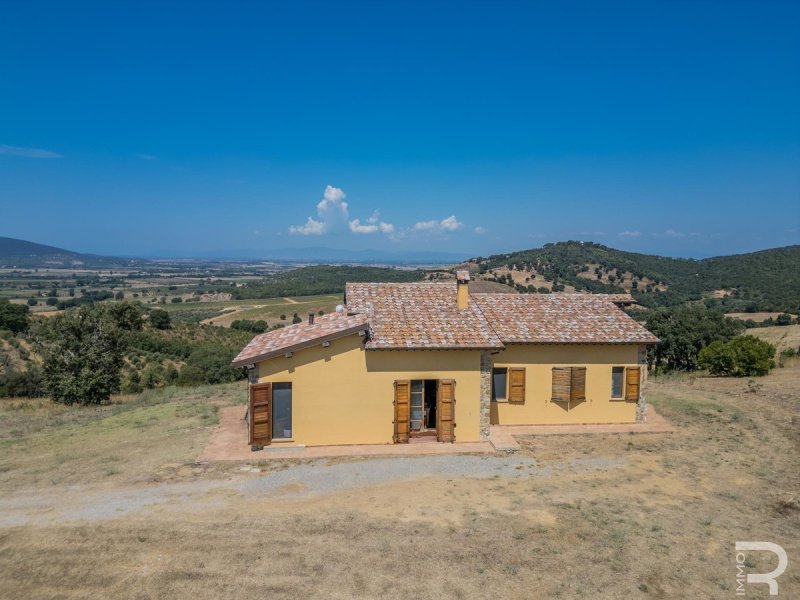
321 279
768 280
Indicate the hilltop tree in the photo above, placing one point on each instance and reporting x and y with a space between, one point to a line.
82 352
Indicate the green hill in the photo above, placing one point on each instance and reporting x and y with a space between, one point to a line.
768 280
25 254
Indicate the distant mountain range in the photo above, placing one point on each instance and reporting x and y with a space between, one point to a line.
25 254
316 254
767 280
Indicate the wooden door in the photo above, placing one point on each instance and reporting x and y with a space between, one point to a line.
445 411
402 411
260 411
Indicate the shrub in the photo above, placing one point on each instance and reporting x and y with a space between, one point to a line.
784 319
159 319
132 384
743 356
209 363
13 317
119 296
259 326
176 300
32 302
22 383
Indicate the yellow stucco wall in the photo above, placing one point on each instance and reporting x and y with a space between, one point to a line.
539 361
344 395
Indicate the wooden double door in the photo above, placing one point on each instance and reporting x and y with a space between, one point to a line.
424 407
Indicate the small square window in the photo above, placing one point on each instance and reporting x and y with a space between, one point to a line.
617 378
499 384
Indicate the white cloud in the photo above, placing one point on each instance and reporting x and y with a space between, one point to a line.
480 230
448 224
426 225
331 212
630 233
373 225
671 233
312 227
333 201
28 152
356 227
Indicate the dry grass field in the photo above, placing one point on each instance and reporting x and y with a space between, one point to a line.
109 502
783 338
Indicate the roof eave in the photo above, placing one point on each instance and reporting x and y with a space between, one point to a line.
241 362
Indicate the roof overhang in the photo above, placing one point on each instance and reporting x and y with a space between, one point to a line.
242 362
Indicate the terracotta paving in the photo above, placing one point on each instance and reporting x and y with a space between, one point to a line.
502 436
229 440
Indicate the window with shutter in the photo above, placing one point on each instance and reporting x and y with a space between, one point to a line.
402 411
577 389
445 411
562 377
516 384
499 384
259 413
632 383
617 381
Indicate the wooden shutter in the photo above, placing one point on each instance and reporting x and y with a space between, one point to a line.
516 384
632 385
562 381
402 411
445 411
577 388
260 411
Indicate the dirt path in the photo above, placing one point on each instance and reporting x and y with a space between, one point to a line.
319 478
290 301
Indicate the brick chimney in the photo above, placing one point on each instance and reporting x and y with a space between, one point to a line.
462 278
311 318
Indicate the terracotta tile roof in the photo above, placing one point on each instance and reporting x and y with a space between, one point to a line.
419 315
561 318
295 337
426 316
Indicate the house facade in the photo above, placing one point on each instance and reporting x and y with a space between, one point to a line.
403 363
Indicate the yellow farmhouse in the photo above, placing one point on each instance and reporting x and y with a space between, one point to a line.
410 362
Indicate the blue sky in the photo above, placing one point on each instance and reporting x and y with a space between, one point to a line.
474 127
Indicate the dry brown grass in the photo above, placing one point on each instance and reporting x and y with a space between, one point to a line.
756 316
662 524
783 338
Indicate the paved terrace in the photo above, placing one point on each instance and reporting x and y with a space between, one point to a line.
229 440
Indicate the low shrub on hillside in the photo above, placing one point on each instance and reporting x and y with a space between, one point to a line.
209 363
743 356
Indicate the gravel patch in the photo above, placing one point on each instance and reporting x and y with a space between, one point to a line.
300 480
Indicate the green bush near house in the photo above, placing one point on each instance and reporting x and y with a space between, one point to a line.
743 356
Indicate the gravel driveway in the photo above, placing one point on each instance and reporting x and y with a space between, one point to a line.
84 503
